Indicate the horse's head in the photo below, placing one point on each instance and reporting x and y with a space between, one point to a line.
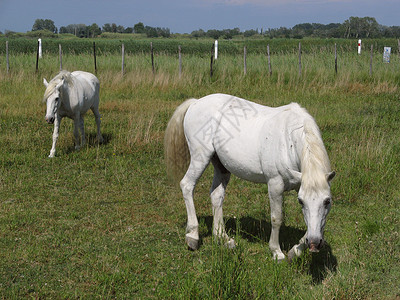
315 200
52 98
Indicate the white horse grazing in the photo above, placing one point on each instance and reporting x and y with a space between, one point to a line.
279 146
72 95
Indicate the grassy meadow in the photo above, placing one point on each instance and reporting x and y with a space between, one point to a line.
106 222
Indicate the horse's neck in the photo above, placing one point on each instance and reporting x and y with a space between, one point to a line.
314 159
67 98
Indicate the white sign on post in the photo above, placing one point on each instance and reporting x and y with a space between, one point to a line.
359 46
386 54
216 50
40 48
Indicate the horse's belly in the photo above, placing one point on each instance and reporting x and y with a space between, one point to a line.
244 171
242 160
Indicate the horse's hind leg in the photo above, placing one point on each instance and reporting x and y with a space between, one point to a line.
78 122
82 129
196 168
217 193
97 116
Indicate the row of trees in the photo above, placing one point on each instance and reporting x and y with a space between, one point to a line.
82 30
94 30
354 27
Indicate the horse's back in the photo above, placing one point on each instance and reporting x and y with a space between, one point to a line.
222 107
87 78
240 115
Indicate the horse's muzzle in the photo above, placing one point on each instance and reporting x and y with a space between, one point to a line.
50 120
315 244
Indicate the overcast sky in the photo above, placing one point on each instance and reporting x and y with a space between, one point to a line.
184 16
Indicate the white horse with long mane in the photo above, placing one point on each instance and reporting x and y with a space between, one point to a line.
280 146
72 95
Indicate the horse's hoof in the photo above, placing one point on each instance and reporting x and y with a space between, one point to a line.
291 255
192 243
231 244
279 258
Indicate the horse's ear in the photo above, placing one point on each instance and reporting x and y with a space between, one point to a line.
45 82
296 175
330 176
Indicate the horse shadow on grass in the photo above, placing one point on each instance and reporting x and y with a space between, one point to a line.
255 231
91 141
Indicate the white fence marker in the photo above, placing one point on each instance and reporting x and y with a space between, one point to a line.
386 54
216 50
359 46
40 48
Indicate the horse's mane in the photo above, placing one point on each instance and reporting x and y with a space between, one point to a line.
315 163
63 75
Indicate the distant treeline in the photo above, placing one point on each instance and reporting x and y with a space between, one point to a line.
354 27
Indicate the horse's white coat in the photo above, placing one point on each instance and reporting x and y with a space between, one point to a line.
280 146
72 95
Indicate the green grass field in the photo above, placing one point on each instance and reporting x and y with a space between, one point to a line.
105 222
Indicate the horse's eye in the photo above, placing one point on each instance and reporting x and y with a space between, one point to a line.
56 99
327 202
301 202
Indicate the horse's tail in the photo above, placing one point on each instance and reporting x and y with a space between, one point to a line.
176 151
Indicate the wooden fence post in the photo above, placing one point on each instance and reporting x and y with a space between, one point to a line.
180 61
398 43
152 57
123 59
212 59
335 59
60 56
269 61
7 60
37 57
300 59
245 60
94 55
370 61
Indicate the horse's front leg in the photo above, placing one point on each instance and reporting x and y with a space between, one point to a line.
275 190
57 122
298 249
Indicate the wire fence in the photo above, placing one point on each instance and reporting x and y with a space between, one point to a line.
204 49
